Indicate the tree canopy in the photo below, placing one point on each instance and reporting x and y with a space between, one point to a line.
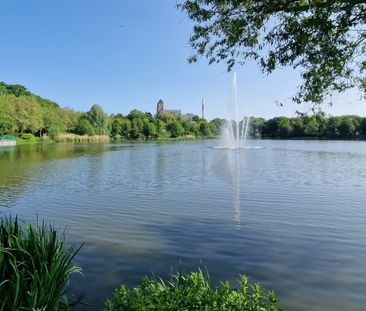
325 39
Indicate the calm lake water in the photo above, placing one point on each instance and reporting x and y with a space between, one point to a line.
291 215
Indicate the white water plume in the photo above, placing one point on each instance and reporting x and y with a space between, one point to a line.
234 131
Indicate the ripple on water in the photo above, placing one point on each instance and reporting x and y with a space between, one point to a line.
291 215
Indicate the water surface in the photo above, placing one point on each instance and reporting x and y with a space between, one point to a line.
292 215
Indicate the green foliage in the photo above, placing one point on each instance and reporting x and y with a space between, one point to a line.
56 129
7 121
317 126
326 39
136 114
175 128
13 89
191 292
98 119
215 126
28 137
149 129
83 127
35 267
347 127
278 127
363 126
204 128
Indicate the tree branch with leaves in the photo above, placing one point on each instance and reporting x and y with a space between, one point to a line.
325 39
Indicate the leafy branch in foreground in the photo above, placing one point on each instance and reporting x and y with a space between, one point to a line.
191 292
325 39
35 267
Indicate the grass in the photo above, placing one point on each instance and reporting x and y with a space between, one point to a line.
35 267
74 138
189 293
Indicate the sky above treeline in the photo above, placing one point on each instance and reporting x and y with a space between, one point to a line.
128 54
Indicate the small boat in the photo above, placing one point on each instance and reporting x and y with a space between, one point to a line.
7 141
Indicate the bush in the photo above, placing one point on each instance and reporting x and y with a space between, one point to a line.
191 292
84 128
28 137
35 267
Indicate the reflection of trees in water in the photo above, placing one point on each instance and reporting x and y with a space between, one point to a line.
18 165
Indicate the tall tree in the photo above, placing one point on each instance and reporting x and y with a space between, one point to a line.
98 119
326 39
7 122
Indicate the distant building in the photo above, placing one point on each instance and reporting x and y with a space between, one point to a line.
187 116
184 116
160 109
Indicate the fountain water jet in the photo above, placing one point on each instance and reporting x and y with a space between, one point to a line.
234 131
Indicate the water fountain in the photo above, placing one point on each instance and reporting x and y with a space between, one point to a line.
234 131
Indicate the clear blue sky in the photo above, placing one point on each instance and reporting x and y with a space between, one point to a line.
126 54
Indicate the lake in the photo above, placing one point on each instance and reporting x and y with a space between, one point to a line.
290 214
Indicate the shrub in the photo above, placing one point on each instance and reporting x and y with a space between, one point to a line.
191 292
35 267
28 137
84 128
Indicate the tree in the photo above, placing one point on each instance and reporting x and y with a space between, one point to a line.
116 127
7 122
27 113
298 127
204 128
56 129
136 128
83 127
332 129
256 126
98 119
175 128
149 129
126 128
347 127
278 127
215 125
136 114
160 126
13 89
325 39
363 126
312 127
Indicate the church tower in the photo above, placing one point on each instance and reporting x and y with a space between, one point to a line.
160 107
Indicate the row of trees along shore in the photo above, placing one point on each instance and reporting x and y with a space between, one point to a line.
22 112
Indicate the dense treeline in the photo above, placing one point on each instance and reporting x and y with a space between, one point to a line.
316 126
23 112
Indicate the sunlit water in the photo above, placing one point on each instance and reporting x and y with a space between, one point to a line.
291 215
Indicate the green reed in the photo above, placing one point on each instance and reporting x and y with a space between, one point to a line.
35 267
191 292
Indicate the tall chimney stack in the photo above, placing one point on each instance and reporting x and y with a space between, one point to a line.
203 108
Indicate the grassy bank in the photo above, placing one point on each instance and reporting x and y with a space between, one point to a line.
29 139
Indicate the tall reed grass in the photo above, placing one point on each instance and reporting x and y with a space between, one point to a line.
35 267
74 138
